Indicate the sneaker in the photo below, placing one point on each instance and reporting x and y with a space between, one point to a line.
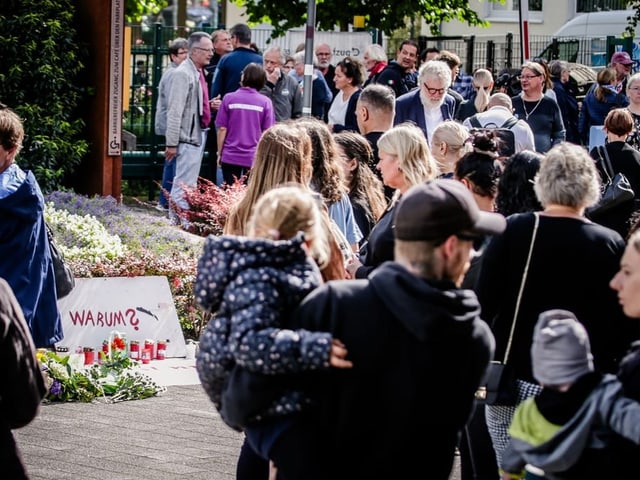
161 208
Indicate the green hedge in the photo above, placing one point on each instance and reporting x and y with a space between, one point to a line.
41 66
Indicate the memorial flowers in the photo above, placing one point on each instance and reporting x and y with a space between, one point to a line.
117 378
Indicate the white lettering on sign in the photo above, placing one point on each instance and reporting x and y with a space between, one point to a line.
115 78
139 307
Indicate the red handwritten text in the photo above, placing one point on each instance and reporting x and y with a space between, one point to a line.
86 318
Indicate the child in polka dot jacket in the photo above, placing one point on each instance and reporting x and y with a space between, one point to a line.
251 284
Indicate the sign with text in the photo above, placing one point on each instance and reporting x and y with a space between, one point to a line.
140 307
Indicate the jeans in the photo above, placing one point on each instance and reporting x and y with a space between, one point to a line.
168 172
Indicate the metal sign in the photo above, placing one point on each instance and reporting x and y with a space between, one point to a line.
114 145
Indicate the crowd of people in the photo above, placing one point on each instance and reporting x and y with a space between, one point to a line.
410 228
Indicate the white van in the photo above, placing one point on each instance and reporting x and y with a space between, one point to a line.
591 31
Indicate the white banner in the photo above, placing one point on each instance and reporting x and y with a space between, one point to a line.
140 307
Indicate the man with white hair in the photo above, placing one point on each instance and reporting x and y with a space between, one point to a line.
428 105
499 112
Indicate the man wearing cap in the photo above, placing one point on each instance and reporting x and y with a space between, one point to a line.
418 345
621 62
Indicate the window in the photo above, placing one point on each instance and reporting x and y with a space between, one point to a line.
509 10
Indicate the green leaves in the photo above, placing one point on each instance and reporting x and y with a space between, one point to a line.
384 15
41 78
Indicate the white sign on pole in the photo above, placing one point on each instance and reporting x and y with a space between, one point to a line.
140 307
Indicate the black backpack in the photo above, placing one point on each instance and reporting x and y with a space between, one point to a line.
507 143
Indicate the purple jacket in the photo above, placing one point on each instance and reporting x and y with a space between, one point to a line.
245 113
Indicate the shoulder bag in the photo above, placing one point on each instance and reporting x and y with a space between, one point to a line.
501 388
616 190
64 276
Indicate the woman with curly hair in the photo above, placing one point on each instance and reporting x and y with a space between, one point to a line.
328 179
515 188
365 188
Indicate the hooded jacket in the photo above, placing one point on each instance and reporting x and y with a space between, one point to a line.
604 412
419 351
26 261
251 286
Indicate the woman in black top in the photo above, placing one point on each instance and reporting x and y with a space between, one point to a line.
624 159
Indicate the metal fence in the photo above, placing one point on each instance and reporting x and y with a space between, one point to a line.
149 57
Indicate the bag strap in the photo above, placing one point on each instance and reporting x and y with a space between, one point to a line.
475 123
509 123
536 222
606 164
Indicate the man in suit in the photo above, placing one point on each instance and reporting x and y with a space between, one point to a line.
428 105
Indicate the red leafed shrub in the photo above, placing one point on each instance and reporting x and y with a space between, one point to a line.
209 205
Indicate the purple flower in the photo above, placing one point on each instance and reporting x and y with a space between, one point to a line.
56 388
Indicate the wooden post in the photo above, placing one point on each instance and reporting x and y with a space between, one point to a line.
101 27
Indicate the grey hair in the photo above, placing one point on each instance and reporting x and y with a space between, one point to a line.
196 37
298 57
567 177
276 49
633 79
437 69
376 52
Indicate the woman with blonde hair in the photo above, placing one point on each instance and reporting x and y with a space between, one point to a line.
449 143
479 99
283 156
405 161
633 94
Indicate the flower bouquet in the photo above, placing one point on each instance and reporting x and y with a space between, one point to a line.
117 378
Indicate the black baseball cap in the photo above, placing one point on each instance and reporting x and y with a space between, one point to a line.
440 208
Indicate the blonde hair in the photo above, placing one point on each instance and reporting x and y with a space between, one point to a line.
454 135
11 129
408 143
283 156
283 212
480 78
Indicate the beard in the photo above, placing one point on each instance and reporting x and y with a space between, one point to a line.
428 103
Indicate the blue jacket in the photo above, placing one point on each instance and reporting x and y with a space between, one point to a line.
229 70
26 261
593 111
409 109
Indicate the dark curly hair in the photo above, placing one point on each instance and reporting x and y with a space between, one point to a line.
515 188
481 166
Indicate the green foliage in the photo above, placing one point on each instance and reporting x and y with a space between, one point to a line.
134 10
40 79
633 19
382 14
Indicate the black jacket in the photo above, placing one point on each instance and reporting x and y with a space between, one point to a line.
626 160
397 78
419 351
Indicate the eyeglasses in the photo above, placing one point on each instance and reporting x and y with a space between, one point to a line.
182 52
323 54
433 91
528 77
634 89
205 49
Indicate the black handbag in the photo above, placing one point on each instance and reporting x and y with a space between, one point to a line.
501 386
616 190
64 276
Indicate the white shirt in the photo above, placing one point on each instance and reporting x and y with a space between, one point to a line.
432 118
496 116
338 110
